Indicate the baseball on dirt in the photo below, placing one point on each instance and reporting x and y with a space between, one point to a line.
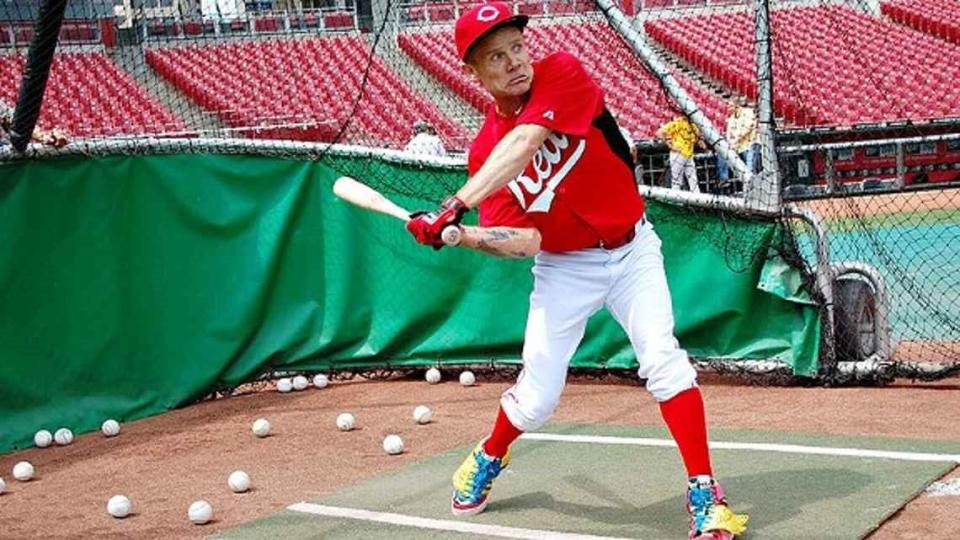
110 428
422 414
261 427
238 481
300 383
42 439
433 375
119 506
346 422
23 471
320 380
467 378
63 436
393 445
284 385
200 512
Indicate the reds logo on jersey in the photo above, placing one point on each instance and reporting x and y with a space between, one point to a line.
536 187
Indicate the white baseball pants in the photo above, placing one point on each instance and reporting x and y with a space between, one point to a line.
683 168
569 288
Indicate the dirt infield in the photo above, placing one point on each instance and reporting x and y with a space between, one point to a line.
889 203
927 351
166 462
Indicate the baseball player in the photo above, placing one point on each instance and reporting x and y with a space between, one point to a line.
550 176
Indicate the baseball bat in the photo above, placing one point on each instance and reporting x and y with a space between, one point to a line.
364 196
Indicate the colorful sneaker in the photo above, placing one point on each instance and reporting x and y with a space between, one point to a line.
473 480
710 517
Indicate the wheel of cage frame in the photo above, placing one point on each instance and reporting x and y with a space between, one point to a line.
855 319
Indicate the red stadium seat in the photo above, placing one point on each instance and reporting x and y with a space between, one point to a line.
266 24
939 18
192 28
341 19
530 8
440 12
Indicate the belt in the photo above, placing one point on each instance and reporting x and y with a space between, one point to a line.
620 241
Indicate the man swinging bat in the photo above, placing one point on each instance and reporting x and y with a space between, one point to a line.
550 176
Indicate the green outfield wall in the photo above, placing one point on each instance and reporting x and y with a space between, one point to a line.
130 285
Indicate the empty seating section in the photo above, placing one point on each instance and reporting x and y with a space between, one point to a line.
302 89
90 97
939 18
632 92
834 66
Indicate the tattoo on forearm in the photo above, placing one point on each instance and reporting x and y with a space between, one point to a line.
502 242
483 246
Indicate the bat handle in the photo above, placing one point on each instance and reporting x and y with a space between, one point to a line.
452 235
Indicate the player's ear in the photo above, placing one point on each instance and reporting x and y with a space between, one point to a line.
470 71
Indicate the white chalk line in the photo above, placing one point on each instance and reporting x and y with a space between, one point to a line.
439 524
757 447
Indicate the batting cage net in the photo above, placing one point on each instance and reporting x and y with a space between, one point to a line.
800 159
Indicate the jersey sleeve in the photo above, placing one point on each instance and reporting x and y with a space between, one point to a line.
563 97
501 209
473 163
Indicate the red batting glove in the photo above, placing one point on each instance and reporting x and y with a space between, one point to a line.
427 228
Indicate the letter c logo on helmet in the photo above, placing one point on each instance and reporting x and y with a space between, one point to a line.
487 13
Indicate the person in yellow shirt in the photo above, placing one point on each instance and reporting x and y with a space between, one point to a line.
682 138
741 134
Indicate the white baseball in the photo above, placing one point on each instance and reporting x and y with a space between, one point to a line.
261 427
42 439
119 506
320 380
23 471
63 436
422 414
433 375
300 382
467 378
284 385
3 486
200 512
346 422
238 481
110 428
393 445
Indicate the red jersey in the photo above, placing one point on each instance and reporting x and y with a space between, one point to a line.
578 189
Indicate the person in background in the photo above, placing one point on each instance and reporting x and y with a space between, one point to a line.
425 140
741 133
682 138
54 137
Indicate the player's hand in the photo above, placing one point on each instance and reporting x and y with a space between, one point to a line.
427 228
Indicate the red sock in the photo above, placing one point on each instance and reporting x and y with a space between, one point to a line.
687 422
504 433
